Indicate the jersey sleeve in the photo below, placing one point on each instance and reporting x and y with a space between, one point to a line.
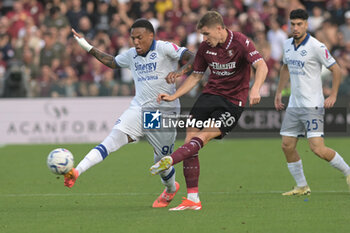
124 59
252 55
324 56
200 64
172 50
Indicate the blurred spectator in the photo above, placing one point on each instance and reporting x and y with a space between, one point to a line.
36 10
345 28
316 19
46 79
17 18
276 36
71 82
337 9
103 16
56 19
38 33
6 49
75 13
86 28
107 83
52 51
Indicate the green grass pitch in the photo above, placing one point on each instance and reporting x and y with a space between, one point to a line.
240 188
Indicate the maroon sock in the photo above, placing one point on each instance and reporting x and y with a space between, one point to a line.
187 150
191 173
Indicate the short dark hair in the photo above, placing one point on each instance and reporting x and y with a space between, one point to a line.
209 19
299 14
143 23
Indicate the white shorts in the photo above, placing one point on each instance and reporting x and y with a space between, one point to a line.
131 123
298 121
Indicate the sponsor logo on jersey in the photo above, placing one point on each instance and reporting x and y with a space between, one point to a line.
145 68
211 53
219 66
230 53
247 42
253 53
296 63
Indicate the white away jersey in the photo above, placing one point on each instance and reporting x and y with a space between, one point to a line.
149 72
305 64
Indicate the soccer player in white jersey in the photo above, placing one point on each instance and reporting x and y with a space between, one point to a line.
303 59
151 62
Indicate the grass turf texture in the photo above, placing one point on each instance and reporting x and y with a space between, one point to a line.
240 189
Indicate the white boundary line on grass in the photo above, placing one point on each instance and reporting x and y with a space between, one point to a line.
144 194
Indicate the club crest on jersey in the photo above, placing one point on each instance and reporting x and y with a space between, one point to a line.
153 56
303 52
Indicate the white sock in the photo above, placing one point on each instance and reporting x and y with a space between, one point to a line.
92 158
339 163
111 143
193 197
168 179
296 169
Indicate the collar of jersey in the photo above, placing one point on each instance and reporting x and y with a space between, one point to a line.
153 47
228 40
302 43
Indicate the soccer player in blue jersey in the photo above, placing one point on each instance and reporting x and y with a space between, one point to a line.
151 62
303 58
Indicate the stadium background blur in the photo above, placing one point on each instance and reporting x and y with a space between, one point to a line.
38 57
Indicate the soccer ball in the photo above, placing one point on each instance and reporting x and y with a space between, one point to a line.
60 161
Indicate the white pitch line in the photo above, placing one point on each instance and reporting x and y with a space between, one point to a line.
146 194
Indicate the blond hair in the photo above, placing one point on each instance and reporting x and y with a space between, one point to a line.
211 18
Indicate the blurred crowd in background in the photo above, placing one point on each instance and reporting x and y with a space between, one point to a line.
39 57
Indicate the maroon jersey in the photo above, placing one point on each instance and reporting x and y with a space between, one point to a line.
229 65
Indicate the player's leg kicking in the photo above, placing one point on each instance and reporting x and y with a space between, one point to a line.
124 131
115 140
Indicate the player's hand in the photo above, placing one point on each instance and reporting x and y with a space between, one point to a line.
330 101
171 77
165 97
81 41
278 102
254 97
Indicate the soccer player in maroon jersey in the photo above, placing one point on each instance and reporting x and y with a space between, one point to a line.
229 56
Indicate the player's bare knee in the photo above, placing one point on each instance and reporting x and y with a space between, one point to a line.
287 147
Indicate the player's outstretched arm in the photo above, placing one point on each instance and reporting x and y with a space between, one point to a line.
188 67
330 100
284 77
260 76
190 83
103 57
